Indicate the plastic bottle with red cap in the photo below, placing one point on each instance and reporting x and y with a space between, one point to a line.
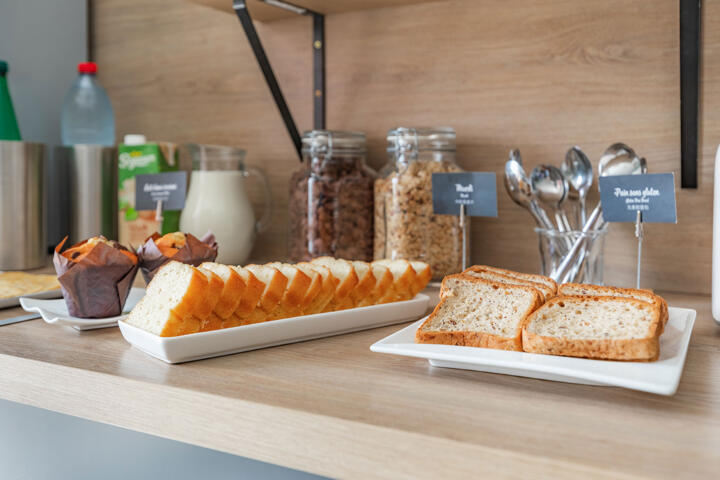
87 115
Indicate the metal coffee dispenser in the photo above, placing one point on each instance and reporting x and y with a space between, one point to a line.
22 207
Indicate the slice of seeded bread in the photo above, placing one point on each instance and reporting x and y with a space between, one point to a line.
479 313
608 328
478 272
547 281
582 289
233 290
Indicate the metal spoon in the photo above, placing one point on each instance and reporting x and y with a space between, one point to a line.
618 159
578 171
551 189
520 190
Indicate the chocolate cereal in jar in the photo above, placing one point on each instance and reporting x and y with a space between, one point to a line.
331 198
405 225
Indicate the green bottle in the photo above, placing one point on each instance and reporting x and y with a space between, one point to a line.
8 123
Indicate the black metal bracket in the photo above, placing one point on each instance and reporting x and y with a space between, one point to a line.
690 16
240 7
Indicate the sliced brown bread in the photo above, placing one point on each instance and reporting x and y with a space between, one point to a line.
275 284
171 301
476 271
232 292
582 289
345 273
404 279
479 313
328 287
295 291
423 275
608 328
547 281
383 284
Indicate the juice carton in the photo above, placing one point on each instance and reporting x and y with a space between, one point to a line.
138 157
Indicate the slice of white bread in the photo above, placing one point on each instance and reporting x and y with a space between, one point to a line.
327 292
206 315
171 302
233 290
549 282
477 271
404 279
423 275
275 284
315 288
345 273
608 328
383 285
365 286
254 289
479 313
295 291
582 289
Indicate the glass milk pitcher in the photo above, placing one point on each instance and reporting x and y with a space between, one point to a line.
218 202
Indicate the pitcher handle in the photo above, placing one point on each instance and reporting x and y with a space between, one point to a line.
262 224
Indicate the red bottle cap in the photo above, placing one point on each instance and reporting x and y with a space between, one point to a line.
87 67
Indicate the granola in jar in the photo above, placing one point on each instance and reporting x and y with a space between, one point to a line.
405 225
331 199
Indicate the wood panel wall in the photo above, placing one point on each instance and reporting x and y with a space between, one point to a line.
540 76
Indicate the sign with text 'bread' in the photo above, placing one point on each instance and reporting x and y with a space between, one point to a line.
477 191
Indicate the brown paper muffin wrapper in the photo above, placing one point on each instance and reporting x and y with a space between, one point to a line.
194 252
98 285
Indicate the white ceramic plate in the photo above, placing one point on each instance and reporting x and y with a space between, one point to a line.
661 377
15 301
55 312
216 343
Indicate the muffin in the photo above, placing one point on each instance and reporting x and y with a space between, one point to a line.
178 246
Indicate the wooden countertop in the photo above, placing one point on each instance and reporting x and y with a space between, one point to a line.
334 408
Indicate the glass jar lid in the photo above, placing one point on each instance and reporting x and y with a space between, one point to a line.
408 139
333 142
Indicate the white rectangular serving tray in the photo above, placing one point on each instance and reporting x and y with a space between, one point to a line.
197 346
661 377
15 301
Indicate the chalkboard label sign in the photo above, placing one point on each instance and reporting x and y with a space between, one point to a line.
653 194
168 187
476 190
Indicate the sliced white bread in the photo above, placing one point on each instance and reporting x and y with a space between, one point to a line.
383 285
295 291
171 301
608 328
582 289
404 280
345 273
327 291
275 284
479 313
315 288
365 286
547 281
543 289
254 289
423 275
212 294
232 292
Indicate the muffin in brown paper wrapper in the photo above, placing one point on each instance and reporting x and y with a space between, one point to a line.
194 252
97 284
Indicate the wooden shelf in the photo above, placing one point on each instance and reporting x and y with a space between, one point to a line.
267 13
333 407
